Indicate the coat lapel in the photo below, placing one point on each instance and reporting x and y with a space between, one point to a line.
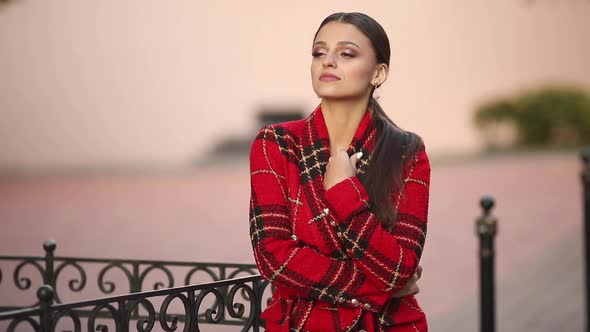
315 152
316 145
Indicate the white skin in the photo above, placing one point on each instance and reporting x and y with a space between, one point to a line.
342 50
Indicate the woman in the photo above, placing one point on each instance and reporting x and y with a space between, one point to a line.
339 200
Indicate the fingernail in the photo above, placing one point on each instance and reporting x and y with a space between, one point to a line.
359 155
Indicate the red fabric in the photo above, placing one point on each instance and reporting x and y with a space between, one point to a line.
333 264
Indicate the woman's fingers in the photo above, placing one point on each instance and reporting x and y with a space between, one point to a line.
413 284
410 288
355 158
414 281
340 166
419 271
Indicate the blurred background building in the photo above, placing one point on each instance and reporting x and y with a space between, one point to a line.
90 84
124 127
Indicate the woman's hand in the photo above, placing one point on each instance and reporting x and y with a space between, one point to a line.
340 167
411 287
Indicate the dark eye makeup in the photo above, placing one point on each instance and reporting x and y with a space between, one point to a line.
316 54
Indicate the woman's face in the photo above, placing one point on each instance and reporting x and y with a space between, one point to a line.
343 65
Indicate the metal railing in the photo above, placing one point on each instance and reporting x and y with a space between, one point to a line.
56 274
136 272
240 299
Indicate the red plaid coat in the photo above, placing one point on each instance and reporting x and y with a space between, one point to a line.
333 265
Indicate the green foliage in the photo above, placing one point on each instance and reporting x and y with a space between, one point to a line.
553 116
495 111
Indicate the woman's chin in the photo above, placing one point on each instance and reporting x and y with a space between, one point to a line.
339 94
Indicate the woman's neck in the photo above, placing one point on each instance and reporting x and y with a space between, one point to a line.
342 118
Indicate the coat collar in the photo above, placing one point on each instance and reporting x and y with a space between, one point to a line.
314 155
316 135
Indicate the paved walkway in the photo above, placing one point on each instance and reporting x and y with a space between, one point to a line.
201 215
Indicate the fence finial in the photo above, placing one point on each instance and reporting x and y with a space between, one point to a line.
49 245
45 293
487 203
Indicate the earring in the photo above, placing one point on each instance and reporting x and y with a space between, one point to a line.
376 91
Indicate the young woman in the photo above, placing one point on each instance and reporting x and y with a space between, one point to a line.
339 200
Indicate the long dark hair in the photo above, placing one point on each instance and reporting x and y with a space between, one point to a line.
394 147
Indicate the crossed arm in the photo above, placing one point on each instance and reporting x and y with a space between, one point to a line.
381 261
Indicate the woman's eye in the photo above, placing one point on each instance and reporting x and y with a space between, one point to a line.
316 54
347 55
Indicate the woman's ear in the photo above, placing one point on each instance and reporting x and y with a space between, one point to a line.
380 75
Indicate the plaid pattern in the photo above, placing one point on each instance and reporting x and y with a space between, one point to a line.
333 264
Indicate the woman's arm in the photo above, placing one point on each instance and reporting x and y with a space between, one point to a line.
281 259
389 259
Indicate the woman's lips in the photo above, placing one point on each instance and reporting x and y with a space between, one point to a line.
329 77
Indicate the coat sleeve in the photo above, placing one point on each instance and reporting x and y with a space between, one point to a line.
387 258
280 258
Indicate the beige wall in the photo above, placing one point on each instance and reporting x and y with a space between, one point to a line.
118 83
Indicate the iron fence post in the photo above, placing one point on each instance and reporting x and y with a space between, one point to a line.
486 226
258 288
45 295
49 275
135 287
585 155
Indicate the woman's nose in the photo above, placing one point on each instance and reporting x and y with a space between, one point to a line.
329 60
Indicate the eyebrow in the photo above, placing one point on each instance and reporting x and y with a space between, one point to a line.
344 42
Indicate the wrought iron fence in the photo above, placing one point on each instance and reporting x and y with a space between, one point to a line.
59 285
240 299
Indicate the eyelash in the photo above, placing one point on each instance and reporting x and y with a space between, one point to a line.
344 54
